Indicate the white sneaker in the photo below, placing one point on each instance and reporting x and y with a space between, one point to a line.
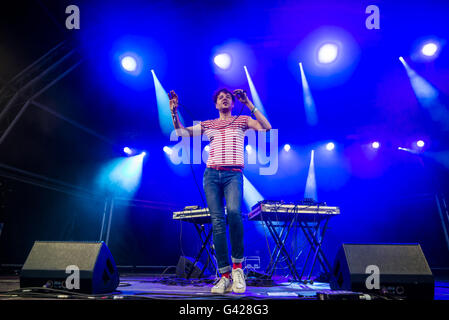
222 286
238 281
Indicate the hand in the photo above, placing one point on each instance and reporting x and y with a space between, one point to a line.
241 96
173 99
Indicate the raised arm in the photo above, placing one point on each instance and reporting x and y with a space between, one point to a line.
181 131
260 123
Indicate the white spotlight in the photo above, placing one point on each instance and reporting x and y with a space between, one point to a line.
330 146
287 147
129 63
420 143
223 61
168 150
327 53
429 49
127 150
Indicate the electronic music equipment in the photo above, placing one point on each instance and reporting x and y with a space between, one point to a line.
280 211
311 217
195 207
198 216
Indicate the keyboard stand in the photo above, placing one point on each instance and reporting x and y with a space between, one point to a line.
206 244
314 232
279 240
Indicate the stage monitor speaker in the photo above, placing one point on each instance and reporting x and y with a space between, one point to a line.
86 267
398 270
184 267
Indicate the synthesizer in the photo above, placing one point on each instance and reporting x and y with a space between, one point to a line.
193 214
280 211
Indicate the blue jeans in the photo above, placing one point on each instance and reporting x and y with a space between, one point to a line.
219 184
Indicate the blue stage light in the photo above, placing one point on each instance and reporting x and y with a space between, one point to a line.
129 63
428 96
250 194
122 175
330 146
127 150
328 53
255 96
167 150
420 143
375 145
127 173
287 147
223 61
163 107
309 103
311 189
426 93
429 49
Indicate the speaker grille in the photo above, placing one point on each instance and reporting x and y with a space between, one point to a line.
58 255
405 259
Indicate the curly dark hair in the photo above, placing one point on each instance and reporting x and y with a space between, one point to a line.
216 94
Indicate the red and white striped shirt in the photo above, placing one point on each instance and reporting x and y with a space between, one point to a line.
226 140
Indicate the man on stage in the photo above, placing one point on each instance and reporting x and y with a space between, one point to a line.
223 178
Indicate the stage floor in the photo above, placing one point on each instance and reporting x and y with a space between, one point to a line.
144 286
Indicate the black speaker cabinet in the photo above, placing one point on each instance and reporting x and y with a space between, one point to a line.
55 264
401 270
186 269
